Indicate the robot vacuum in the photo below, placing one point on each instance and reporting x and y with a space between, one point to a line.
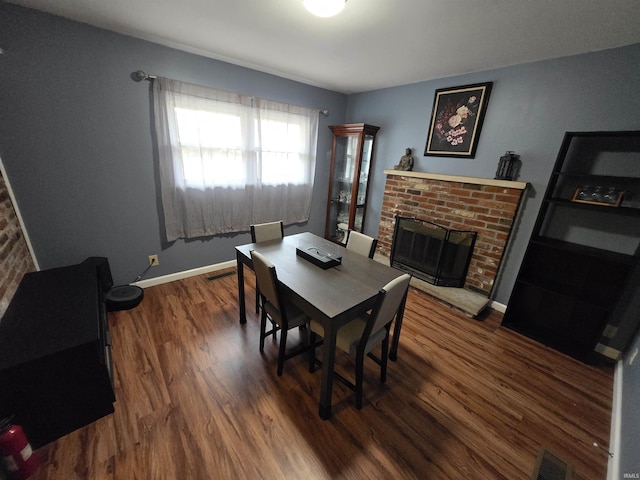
123 297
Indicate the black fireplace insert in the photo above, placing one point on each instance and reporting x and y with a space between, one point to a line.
432 252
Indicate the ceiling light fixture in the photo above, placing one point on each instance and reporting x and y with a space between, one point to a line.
324 8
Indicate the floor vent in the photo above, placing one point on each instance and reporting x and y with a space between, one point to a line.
550 467
215 277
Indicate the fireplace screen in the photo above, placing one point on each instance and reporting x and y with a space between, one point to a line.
431 252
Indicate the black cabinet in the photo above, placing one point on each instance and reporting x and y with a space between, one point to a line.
55 352
575 289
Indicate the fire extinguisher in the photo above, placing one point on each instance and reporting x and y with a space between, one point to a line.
18 459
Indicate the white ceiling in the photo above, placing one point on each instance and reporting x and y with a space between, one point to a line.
372 44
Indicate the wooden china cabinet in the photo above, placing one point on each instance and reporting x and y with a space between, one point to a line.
349 183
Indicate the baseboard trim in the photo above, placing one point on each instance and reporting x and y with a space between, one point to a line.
500 307
613 468
185 274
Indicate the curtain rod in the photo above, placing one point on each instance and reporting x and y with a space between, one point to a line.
140 75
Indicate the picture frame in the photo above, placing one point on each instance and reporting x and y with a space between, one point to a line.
607 201
456 120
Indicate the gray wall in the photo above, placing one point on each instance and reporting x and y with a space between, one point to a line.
530 109
75 140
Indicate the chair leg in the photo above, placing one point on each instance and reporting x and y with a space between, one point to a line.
384 357
359 376
281 351
312 351
263 329
257 300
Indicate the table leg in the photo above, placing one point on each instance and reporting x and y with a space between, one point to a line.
328 360
240 269
393 352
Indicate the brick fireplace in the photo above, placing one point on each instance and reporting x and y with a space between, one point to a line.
15 259
486 206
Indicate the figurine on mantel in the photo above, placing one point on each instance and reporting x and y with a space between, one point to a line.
406 161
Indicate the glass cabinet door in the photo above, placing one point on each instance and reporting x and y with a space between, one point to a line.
350 164
343 175
363 183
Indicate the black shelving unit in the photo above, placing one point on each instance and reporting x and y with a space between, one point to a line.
576 286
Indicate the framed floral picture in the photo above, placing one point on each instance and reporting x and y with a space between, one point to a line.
456 120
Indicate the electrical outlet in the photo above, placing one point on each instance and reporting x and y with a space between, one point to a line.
610 331
153 260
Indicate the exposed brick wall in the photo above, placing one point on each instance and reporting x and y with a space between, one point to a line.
15 259
487 210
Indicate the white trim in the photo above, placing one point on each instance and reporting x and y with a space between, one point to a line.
25 234
457 178
613 468
185 274
500 307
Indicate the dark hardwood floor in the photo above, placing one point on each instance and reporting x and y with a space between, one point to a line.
196 400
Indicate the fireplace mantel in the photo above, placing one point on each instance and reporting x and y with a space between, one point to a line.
458 178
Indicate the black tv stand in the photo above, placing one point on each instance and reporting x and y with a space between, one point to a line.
55 351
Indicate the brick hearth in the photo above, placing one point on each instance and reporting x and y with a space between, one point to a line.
486 206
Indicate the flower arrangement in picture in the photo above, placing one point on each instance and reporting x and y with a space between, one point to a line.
456 120
451 121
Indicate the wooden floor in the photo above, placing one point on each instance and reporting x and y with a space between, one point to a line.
196 400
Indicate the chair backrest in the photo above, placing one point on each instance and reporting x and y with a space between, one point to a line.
263 232
389 299
361 243
266 278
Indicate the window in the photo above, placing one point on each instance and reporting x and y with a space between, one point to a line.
250 157
282 161
211 151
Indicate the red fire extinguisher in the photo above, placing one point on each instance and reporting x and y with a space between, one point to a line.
18 459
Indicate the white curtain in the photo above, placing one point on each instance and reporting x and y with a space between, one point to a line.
228 160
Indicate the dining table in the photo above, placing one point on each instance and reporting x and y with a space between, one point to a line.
332 296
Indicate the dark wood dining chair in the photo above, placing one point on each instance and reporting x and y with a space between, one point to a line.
263 232
361 243
282 314
361 335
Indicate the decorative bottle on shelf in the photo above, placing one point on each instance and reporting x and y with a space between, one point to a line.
611 196
598 194
585 193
